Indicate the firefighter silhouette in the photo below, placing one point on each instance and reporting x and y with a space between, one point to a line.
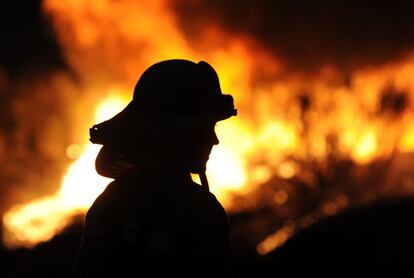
153 220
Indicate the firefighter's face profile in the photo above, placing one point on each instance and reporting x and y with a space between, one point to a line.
200 147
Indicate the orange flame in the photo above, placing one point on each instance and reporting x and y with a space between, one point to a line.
107 40
40 220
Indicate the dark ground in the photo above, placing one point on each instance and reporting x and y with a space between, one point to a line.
363 242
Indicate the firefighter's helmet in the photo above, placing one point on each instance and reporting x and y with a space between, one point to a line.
171 97
172 94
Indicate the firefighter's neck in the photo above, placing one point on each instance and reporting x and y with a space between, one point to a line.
163 171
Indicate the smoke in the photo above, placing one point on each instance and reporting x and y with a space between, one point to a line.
308 34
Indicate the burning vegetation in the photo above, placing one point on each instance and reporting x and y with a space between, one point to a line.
306 144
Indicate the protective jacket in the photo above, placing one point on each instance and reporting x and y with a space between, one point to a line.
155 226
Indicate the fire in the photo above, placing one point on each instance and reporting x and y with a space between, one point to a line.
277 239
287 120
40 220
366 147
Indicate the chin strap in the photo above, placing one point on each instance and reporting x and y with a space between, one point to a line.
204 181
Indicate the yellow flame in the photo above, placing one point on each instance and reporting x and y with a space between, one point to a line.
38 221
366 147
227 164
103 40
407 139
